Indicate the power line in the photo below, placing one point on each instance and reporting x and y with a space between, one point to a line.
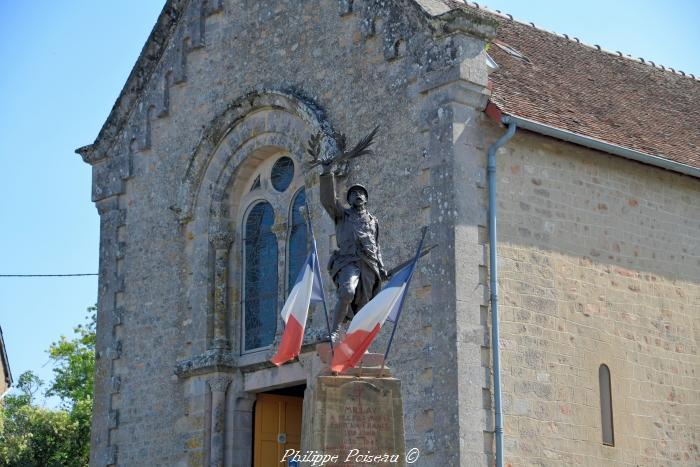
46 275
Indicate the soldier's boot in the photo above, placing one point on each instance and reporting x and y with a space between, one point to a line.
342 308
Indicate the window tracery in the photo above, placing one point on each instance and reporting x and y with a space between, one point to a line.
275 242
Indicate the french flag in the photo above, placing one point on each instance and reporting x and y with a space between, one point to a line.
308 288
370 319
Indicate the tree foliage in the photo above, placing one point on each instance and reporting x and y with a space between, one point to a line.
33 436
74 362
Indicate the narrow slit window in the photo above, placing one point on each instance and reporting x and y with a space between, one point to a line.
606 412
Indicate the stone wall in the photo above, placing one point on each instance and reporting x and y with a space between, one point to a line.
239 70
3 382
599 255
599 264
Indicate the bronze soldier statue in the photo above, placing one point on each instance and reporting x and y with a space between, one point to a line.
356 266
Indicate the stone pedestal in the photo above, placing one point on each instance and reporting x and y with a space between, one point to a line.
371 364
357 417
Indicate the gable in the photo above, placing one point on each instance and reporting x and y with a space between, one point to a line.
181 28
560 82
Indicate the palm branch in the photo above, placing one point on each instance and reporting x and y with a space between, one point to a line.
362 148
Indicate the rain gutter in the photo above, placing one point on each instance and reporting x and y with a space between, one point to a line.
493 288
600 145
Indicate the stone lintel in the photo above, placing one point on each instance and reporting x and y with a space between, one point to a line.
212 361
270 378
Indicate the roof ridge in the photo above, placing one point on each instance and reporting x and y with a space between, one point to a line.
597 47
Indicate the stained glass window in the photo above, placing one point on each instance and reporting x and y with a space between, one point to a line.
260 277
282 173
297 238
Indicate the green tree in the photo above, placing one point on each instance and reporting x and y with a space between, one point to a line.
29 385
34 436
74 363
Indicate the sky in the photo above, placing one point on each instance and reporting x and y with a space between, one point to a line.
63 66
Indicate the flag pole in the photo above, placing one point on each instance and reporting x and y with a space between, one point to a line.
403 297
317 265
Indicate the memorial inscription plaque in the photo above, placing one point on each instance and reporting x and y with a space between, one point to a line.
357 418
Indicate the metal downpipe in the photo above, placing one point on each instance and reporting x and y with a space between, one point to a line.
493 287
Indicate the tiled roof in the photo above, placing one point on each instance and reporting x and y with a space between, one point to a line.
565 84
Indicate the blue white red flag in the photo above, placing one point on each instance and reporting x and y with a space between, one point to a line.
369 320
307 289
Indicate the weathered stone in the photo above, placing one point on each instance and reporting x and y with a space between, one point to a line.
598 254
358 416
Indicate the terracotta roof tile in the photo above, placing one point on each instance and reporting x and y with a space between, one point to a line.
579 88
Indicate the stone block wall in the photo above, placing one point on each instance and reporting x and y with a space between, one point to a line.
599 264
355 64
3 382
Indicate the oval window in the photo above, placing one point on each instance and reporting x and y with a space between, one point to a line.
282 173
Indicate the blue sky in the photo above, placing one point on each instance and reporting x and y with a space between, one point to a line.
64 64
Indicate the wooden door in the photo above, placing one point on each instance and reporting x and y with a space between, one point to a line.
277 428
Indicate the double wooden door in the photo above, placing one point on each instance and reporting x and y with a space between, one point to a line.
277 428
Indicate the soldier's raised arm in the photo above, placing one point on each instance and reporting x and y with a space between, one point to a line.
380 261
328 197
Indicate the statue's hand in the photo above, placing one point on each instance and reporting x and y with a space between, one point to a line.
326 165
383 274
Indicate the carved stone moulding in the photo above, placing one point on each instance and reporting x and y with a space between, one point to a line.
211 361
294 103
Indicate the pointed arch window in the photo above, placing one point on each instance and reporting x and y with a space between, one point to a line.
260 277
606 412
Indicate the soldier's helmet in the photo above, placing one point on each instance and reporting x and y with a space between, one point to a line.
358 188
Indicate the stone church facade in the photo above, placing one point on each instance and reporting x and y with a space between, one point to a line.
201 168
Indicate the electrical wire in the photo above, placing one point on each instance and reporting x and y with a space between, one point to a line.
46 275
